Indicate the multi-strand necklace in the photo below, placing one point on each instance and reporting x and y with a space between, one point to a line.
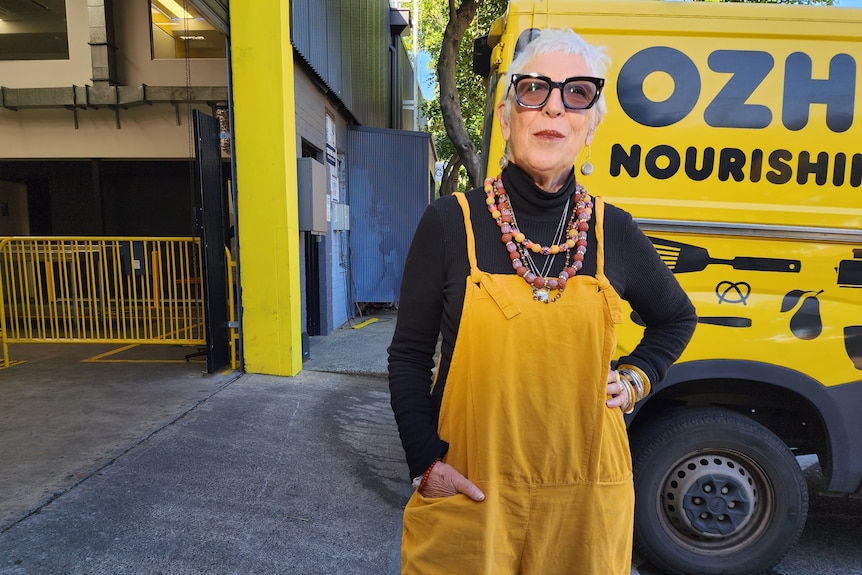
521 249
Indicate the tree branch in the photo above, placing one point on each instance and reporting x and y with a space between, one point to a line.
450 101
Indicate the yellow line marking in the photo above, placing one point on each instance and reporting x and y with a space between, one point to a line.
99 358
364 323
13 363
107 353
138 361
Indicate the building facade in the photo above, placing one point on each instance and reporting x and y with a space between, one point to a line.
96 100
96 132
328 68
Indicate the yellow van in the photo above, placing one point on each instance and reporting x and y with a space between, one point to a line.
732 137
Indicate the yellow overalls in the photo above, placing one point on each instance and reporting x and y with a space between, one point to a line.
525 417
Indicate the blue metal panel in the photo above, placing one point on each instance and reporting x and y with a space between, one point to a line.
390 178
341 306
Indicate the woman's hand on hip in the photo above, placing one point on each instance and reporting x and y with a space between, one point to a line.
446 481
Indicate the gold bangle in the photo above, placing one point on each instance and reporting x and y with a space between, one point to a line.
645 382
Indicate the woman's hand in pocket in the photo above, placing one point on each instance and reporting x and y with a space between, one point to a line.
446 481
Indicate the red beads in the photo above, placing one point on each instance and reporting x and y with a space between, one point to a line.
520 247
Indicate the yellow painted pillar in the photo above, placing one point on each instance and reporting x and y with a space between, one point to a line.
264 130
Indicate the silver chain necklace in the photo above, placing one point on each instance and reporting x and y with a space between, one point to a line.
558 237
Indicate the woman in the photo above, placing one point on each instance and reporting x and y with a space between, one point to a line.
517 445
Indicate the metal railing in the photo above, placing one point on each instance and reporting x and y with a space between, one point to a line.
233 323
103 290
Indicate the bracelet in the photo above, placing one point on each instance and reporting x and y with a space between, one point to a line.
638 378
425 475
627 386
635 386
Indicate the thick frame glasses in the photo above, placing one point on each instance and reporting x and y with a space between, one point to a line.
578 92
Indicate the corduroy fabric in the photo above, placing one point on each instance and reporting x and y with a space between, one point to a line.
524 415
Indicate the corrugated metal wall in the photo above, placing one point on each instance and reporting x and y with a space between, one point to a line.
391 174
346 43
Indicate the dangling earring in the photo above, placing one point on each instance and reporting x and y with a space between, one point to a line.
587 166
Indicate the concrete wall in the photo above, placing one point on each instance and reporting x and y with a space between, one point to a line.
310 112
146 131
51 73
136 67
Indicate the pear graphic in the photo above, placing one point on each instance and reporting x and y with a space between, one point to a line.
806 323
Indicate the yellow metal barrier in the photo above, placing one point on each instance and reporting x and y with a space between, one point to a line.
233 324
105 289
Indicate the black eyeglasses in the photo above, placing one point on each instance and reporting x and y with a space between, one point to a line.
578 92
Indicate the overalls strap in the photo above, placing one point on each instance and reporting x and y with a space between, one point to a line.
498 293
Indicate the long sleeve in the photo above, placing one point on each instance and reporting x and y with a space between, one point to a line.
411 353
641 278
432 298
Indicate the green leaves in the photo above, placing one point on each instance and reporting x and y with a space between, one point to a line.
434 17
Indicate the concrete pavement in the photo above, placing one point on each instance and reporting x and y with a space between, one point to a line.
130 460
159 468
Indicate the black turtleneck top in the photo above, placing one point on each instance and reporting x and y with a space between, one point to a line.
432 296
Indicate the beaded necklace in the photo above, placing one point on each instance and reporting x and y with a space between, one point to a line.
520 247
527 256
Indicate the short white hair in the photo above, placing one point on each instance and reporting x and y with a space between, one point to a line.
555 41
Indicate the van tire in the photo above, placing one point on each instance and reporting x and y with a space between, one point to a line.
743 498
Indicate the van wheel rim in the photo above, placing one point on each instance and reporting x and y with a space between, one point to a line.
710 496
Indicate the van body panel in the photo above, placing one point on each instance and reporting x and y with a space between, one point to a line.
770 229
755 131
733 138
